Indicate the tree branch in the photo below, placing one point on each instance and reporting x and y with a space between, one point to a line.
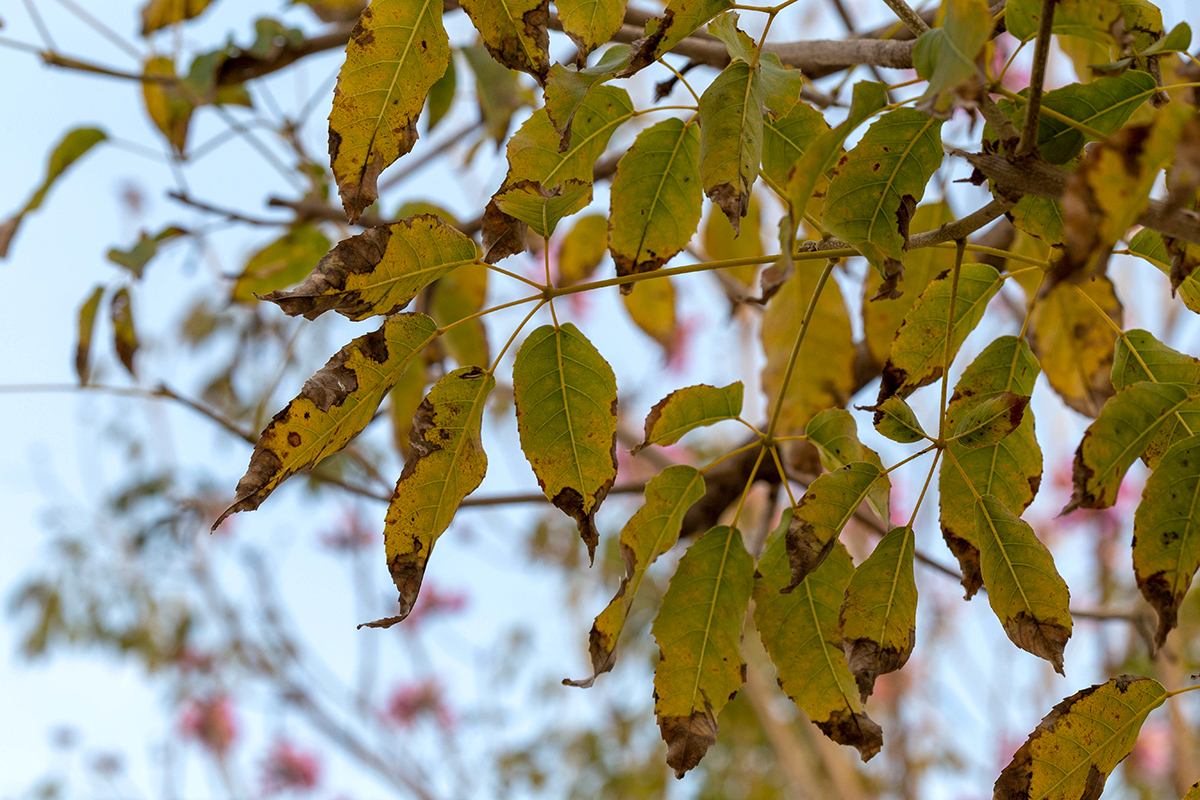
1037 77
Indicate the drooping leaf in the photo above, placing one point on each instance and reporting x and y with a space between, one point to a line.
689 408
919 348
282 263
396 53
1024 588
74 144
656 199
650 532
125 338
566 399
590 23
945 56
333 407
87 327
1166 533
1138 357
731 133
1088 19
878 185
542 208
680 19
1080 742
652 308
568 87
380 270
1009 470
896 420
698 630
1148 244
878 617
514 32
992 420
460 294
835 435
137 257
447 463
1125 426
582 249
800 633
819 516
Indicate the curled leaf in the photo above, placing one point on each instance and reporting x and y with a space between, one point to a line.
689 408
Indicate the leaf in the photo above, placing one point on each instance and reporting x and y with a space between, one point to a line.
137 257
800 633
781 87
1024 588
1088 19
396 53
1041 217
698 630
568 87
1139 356
1125 426
566 399
835 435
457 295
652 309
650 532
283 263
721 243
1193 792
333 407
819 516
380 270
533 152
514 32
689 408
87 327
1103 105
1177 41
441 95
878 618
946 56
74 144
1166 533
582 249
787 137
897 421
447 463
406 397
168 105
497 91
679 20
878 185
992 420
919 348
824 374
158 14
1009 470
1148 244
1072 751
656 198
125 337
1075 343
541 208
731 134
590 23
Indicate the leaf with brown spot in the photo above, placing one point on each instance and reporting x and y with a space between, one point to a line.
87 327
835 435
334 406
991 420
446 464
380 270
1072 751
731 134
680 19
1141 357
514 32
125 337
800 633
650 532
590 23
566 399
819 516
282 263
689 408
542 208
896 420
502 235
699 631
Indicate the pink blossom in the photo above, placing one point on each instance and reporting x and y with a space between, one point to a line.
1151 756
210 722
680 349
287 767
409 703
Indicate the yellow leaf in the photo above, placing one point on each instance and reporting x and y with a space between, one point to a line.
168 105
689 408
514 32
652 308
157 14
1074 343
583 249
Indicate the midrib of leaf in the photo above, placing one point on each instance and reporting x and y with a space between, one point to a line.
712 610
449 265
1141 437
562 382
662 180
892 177
1012 373
1145 367
1082 125
812 609
641 576
564 157
751 73
395 77
1007 561
895 582
462 440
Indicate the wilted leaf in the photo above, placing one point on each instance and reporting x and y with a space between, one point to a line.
652 531
680 19
514 32
898 422
991 420
582 249
800 633
590 23
447 463
157 14
124 333
334 406
699 630
652 308
1024 588
731 134
689 408
835 435
541 208
397 52
137 257
566 398
946 56
283 263
1075 747
822 512
380 270
87 327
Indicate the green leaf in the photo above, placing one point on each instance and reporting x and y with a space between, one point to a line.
878 185
380 270
689 408
731 134
680 19
334 406
1103 105
819 516
1088 19
447 463
566 399
1040 217
1010 469
158 14
1126 425
991 420
582 249
946 56
590 23
497 91
656 197
1139 357
533 152
1177 41
1024 588
650 532
1166 533
86 329
125 338
541 208
800 633
1148 244
898 422
74 144
1072 751
699 630
919 348
282 263
568 87
835 435
514 32
397 52
137 257
879 615
441 95
781 87
787 137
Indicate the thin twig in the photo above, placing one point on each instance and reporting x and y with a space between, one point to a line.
911 19
1037 77
232 216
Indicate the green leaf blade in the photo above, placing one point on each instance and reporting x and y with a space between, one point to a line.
689 408
731 134
818 518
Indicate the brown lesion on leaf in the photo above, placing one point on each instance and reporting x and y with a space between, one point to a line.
643 51
264 467
855 729
968 561
1082 477
688 739
806 548
734 201
1160 593
602 644
868 660
325 287
503 236
571 503
1044 639
511 47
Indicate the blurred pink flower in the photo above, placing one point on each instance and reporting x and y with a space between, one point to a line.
350 535
1151 757
409 703
680 351
289 768
210 722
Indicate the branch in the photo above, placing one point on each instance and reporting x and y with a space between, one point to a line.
1037 77
910 18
